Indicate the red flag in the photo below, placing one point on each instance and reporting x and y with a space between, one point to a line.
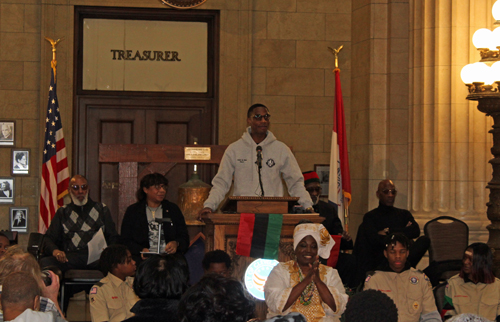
55 173
339 191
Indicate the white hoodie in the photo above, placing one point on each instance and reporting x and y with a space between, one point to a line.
239 160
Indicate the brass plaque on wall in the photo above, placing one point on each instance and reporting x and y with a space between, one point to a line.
191 153
183 4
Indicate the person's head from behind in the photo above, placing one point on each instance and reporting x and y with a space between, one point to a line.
16 260
216 299
161 277
117 260
477 264
371 305
153 188
4 244
396 251
20 291
218 262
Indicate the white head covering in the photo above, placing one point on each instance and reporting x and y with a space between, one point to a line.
319 233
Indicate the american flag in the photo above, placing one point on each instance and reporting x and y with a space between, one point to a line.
55 173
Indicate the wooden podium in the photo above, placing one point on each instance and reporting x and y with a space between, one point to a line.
221 231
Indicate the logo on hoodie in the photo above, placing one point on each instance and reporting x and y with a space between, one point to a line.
270 163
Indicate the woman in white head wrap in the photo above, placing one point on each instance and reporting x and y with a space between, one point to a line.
304 285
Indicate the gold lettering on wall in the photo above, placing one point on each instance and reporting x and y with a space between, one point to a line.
146 55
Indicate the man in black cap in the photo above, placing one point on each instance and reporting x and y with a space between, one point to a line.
346 264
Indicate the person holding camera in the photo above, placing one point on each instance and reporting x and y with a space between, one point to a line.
21 300
140 227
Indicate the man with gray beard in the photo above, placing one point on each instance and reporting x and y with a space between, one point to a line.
73 226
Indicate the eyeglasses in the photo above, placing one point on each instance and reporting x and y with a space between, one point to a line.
313 189
387 191
76 187
259 117
161 186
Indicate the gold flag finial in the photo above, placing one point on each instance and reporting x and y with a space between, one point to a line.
53 63
336 53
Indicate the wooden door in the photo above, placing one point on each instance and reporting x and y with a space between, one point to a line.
106 120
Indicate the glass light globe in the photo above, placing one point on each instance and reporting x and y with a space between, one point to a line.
467 74
482 38
495 71
496 10
495 37
481 73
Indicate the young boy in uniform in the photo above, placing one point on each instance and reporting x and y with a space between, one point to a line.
112 298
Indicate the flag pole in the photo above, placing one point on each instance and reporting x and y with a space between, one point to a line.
53 63
345 196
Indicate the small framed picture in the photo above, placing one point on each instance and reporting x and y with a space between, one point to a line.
323 171
20 162
6 190
7 131
19 219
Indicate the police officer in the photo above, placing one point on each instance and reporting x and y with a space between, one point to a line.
112 298
409 288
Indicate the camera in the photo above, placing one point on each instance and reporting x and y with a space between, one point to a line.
47 280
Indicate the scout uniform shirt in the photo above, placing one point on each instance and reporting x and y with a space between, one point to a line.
467 297
111 299
410 290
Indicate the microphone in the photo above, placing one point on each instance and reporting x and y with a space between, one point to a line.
259 167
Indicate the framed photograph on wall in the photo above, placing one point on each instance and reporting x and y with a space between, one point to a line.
6 190
19 219
20 162
7 132
323 171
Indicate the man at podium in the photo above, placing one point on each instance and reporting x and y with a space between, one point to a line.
257 161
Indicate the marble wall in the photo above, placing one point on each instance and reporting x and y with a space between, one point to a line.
407 120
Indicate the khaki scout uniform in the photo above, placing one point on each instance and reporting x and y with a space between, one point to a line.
111 299
410 290
467 297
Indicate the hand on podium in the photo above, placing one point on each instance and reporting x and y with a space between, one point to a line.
204 211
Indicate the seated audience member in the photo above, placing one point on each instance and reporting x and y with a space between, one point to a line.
4 244
216 298
372 306
73 226
15 260
160 282
346 264
409 288
139 226
112 298
21 300
378 224
475 290
304 285
218 262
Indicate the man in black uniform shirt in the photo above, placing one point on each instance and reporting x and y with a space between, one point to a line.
382 221
346 264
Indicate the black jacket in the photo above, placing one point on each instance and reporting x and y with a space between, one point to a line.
135 227
152 310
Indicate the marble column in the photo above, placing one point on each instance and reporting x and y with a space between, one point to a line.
448 141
